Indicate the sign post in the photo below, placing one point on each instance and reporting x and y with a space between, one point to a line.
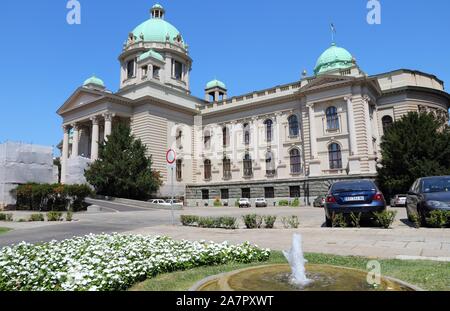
171 158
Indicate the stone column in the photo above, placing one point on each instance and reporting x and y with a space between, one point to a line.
279 138
354 161
65 153
255 137
108 124
95 138
76 140
314 163
351 126
366 102
312 132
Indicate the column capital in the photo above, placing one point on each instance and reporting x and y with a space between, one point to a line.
348 98
75 126
95 120
109 116
66 127
366 98
310 105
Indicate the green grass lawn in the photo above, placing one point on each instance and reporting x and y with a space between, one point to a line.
428 275
4 230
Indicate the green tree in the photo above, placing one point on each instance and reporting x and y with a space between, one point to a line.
416 146
123 169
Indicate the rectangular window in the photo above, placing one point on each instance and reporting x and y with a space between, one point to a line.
144 71
224 194
269 193
130 69
205 194
246 193
179 170
156 72
294 192
177 70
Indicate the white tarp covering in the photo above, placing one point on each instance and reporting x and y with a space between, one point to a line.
75 170
23 163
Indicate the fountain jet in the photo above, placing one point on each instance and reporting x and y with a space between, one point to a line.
297 261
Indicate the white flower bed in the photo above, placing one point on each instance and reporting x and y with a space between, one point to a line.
110 262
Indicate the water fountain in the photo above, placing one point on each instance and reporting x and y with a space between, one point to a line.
298 275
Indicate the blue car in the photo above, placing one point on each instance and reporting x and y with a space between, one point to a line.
355 196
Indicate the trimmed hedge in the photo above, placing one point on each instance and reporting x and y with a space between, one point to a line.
209 222
56 197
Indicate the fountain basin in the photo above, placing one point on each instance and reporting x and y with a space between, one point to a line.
276 278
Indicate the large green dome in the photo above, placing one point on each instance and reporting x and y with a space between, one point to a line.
156 30
333 58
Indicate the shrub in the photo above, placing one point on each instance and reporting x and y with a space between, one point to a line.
355 220
290 222
207 222
270 221
283 203
339 221
46 197
6 217
229 223
252 221
416 220
236 204
187 220
439 219
69 216
296 202
54 216
37 217
385 219
217 203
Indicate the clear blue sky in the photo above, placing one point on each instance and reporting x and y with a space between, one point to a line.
250 45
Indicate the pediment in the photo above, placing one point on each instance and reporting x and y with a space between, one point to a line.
79 98
325 81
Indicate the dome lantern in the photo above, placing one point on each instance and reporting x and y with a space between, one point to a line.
215 91
94 83
158 11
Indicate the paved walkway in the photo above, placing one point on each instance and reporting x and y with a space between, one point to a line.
377 243
402 240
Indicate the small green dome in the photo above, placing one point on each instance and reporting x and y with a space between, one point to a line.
94 80
157 6
156 30
215 83
333 58
153 54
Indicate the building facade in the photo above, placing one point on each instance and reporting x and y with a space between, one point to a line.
289 141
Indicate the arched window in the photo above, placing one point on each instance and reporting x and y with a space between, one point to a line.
269 127
226 168
296 165
335 156
248 169
293 126
247 134
270 164
179 170
387 123
226 136
207 140
332 118
207 168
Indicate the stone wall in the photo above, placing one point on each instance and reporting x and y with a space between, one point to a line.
310 188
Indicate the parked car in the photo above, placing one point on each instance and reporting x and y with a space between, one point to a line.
398 200
320 201
159 202
356 196
260 202
177 203
426 195
245 203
